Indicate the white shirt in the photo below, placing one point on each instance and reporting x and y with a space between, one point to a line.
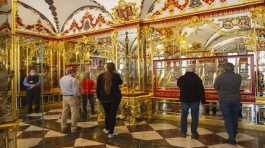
69 86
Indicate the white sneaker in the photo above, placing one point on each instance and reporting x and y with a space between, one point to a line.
105 131
112 135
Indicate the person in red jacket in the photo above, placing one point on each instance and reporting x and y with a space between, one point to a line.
86 87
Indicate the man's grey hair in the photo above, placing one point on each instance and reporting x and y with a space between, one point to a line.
228 67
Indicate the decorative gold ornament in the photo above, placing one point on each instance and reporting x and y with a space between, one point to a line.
258 15
125 11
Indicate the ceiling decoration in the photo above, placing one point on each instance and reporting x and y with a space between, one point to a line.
43 17
31 20
5 27
84 8
53 11
125 11
5 21
169 8
87 22
37 27
101 7
5 6
5 12
78 16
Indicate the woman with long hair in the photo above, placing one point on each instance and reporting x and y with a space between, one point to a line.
109 95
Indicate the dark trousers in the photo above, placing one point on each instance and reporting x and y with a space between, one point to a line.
110 110
194 106
231 110
33 95
85 98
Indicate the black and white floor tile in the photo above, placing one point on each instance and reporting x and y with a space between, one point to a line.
43 130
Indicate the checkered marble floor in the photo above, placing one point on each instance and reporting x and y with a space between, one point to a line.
43 130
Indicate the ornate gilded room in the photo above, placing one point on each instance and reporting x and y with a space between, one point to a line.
152 43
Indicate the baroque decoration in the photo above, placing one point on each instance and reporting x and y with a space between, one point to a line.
5 27
125 11
53 11
243 22
173 6
87 22
261 39
37 27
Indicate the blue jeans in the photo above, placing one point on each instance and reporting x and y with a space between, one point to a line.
230 111
194 106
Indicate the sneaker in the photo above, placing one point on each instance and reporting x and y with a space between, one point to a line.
105 131
112 135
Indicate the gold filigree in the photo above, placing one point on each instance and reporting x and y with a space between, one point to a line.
258 15
125 11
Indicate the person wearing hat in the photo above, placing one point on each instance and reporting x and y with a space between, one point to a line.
70 92
228 88
191 95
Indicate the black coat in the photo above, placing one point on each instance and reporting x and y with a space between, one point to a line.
115 94
191 88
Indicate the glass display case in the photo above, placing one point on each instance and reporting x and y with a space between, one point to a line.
127 59
260 73
8 102
167 72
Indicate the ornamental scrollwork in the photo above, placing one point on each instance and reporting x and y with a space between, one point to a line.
125 11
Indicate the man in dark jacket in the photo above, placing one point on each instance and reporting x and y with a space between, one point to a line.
228 87
32 84
191 94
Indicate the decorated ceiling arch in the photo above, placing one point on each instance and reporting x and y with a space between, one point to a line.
86 19
67 17
29 19
5 16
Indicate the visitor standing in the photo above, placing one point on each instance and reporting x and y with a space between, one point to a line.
191 95
86 87
70 92
228 87
109 95
32 83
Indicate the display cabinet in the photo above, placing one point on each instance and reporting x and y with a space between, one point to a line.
167 72
260 73
94 67
8 135
7 96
